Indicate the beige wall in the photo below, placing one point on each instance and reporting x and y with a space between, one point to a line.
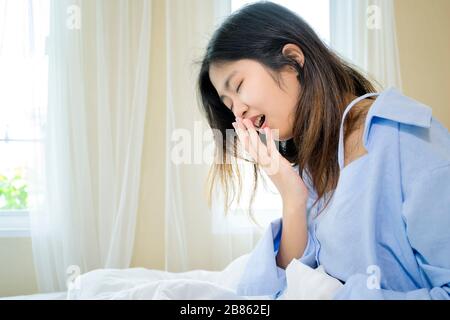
423 30
16 267
149 246
423 35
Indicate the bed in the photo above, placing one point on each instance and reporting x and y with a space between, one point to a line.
40 296
147 284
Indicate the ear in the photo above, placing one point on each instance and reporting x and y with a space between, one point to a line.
294 52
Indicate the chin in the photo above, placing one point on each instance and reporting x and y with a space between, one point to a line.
286 137
282 136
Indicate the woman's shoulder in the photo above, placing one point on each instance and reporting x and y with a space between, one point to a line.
429 146
424 141
424 147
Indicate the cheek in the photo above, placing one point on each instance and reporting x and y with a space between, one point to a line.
257 100
283 116
263 96
266 99
280 109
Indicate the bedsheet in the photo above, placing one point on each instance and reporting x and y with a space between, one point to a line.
302 282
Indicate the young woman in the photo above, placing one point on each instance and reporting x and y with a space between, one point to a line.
370 199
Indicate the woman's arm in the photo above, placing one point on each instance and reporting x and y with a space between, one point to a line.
294 235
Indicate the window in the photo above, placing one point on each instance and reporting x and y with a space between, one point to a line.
24 26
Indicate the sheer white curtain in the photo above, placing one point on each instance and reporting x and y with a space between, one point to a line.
196 238
98 83
363 32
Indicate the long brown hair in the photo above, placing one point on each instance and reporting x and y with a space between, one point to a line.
259 31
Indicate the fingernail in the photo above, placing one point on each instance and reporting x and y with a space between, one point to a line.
238 119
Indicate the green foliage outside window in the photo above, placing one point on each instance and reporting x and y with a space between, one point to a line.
13 192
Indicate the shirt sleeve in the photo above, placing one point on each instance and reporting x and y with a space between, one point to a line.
426 212
262 276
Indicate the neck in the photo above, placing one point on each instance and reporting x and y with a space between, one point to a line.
356 117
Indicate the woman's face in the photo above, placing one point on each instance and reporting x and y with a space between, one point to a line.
253 92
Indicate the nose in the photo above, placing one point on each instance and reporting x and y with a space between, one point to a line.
239 109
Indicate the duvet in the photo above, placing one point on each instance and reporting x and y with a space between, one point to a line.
302 282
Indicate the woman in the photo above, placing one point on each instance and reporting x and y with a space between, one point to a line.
370 201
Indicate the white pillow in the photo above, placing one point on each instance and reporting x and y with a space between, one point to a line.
305 283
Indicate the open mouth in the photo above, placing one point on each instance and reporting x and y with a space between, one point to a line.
260 121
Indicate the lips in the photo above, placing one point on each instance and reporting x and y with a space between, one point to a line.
256 120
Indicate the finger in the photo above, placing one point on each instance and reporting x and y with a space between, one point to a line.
275 156
271 142
242 135
244 132
256 144
254 138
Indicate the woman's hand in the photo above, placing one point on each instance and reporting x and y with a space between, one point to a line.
288 182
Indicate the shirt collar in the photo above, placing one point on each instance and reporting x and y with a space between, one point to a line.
393 105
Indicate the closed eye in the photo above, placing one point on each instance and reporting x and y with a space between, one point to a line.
237 90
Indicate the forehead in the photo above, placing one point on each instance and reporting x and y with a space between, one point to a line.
219 72
221 67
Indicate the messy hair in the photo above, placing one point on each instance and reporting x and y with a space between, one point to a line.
259 32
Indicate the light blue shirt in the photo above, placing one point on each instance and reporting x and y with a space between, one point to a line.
386 232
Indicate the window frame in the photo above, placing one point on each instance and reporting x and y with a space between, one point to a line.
14 224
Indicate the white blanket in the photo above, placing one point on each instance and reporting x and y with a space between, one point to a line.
139 283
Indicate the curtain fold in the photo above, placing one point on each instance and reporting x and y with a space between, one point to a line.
98 88
364 33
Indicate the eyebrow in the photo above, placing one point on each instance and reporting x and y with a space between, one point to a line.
227 83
